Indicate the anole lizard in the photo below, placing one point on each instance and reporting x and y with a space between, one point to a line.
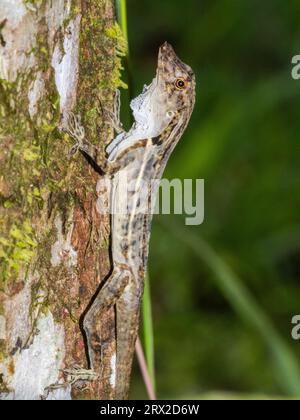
161 113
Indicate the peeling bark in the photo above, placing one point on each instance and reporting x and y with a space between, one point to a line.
58 56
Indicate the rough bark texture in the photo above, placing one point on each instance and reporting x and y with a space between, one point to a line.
55 56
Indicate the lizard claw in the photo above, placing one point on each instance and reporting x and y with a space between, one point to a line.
113 121
78 374
76 131
112 118
71 376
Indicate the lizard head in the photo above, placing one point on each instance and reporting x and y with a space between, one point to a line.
176 80
170 95
162 111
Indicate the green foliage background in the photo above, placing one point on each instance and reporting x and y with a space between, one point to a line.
243 140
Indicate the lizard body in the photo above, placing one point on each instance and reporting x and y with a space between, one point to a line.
161 115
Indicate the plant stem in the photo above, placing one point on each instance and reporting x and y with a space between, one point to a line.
122 19
144 370
148 330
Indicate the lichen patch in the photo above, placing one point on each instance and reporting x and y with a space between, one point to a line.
112 378
62 251
38 366
36 91
65 64
19 34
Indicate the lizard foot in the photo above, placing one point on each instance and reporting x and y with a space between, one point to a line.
75 374
113 121
76 131
78 374
113 117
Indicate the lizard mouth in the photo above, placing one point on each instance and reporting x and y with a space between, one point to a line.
166 53
166 49
168 60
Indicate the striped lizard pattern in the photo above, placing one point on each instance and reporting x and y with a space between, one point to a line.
161 113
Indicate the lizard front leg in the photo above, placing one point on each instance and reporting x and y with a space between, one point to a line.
114 117
76 130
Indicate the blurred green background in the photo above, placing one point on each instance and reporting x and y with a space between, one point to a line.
224 293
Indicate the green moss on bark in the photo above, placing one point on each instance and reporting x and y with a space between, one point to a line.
38 182
102 47
32 165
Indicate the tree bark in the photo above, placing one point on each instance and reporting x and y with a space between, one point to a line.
56 56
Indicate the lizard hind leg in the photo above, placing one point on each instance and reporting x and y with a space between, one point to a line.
105 299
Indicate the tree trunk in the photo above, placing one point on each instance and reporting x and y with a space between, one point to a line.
55 56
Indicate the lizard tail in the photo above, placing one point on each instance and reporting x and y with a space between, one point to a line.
128 314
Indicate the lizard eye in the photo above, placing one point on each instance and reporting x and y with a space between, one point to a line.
180 83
